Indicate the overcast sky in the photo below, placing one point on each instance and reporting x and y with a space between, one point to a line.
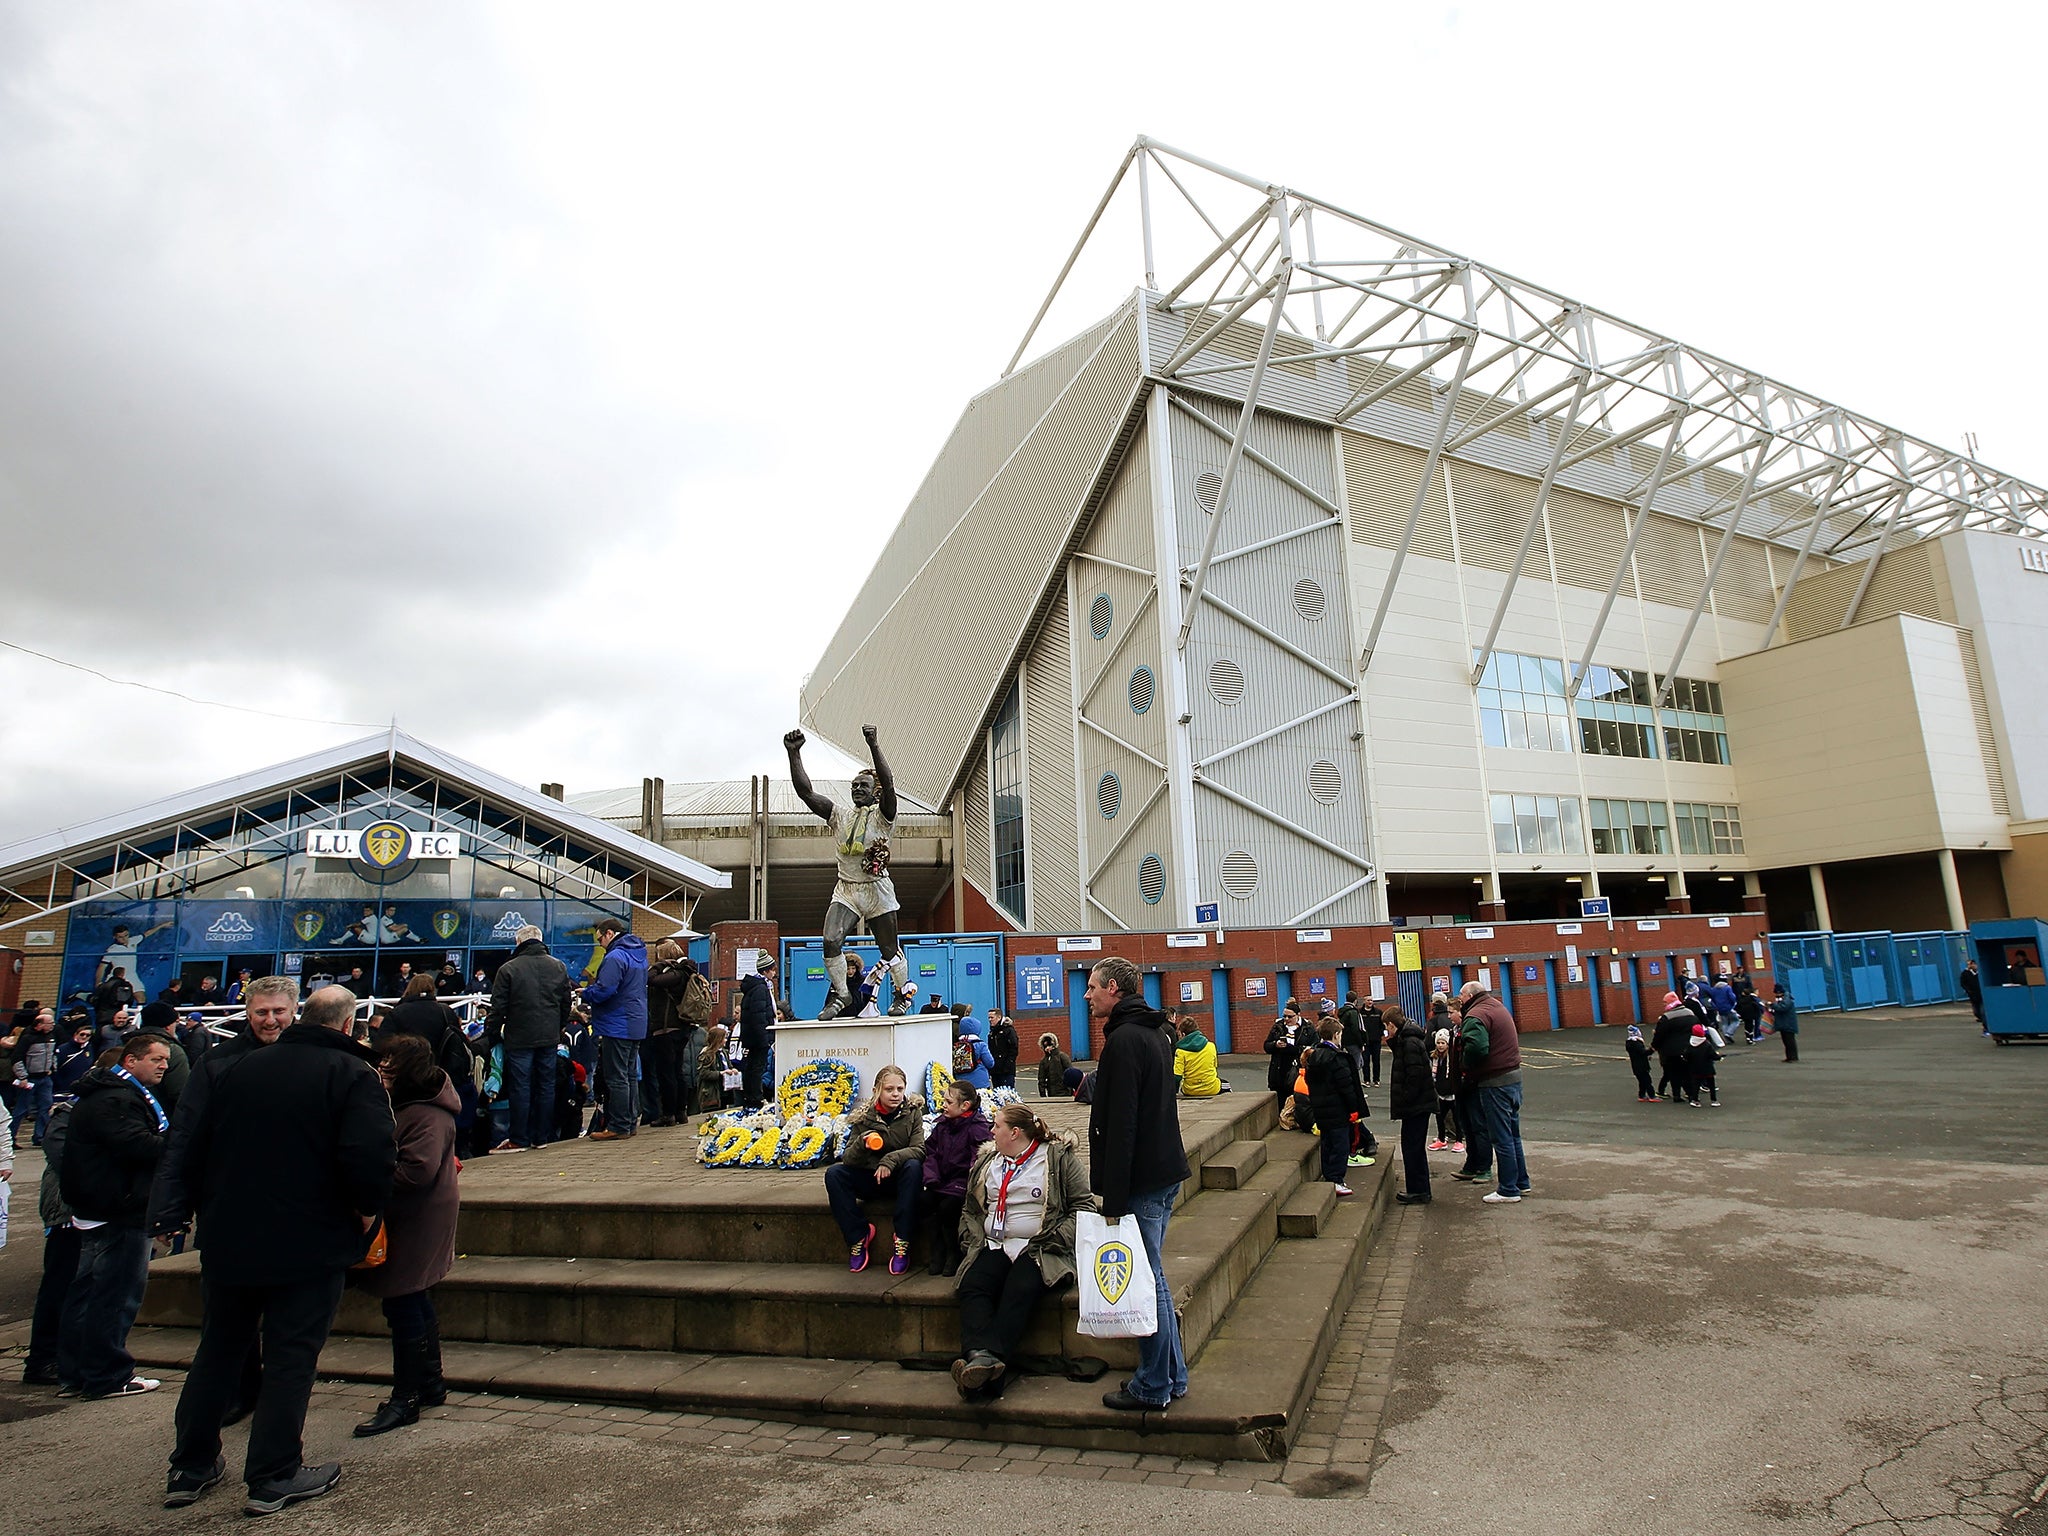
548 376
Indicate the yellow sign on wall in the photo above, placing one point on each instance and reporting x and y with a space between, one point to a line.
1407 950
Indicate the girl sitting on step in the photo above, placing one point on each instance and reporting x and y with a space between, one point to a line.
1018 1227
884 1160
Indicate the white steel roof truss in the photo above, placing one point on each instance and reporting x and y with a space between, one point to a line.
1515 339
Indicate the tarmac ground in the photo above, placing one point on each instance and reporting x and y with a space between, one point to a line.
1819 1308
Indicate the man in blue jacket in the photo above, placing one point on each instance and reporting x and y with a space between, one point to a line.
617 1001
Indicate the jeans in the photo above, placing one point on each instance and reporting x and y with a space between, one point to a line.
619 1060
1415 1151
846 1187
1500 1109
60 1265
38 1094
292 1320
1336 1150
92 1349
1162 1373
1478 1149
530 1085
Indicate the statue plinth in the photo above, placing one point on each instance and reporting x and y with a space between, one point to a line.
912 1042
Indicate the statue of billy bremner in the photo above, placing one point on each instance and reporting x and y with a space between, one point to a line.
860 836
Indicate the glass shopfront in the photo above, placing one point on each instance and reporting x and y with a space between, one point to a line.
270 907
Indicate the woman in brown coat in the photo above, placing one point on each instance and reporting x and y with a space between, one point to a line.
419 1226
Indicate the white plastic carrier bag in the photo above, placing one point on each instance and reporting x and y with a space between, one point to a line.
1119 1298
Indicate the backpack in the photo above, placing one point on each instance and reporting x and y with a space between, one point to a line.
963 1057
695 1007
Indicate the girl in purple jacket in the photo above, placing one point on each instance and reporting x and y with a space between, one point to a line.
949 1153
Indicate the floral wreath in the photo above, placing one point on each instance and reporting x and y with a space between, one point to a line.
827 1086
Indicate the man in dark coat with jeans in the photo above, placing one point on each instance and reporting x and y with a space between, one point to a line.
116 1140
757 1025
530 1005
1136 1163
617 1001
289 1167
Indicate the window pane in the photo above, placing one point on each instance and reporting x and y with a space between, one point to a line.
1551 838
1527 835
1568 818
1518 729
1553 675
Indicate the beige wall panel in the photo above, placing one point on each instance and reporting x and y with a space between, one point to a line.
1018 525
1834 750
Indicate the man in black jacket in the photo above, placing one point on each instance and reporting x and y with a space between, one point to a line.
289 1166
757 1020
116 1139
530 1004
1136 1163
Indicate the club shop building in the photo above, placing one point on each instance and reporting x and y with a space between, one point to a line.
383 855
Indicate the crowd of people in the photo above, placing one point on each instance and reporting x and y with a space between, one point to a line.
309 1146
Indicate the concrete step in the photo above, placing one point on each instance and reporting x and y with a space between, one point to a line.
634 1201
1213 1247
1249 1386
1308 1210
1229 1167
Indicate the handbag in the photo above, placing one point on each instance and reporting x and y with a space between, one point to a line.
380 1248
1119 1297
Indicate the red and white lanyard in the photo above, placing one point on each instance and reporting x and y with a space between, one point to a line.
1010 1171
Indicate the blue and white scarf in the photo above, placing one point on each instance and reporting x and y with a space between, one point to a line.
163 1121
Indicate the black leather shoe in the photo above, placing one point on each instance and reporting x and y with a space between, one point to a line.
1123 1402
1404 1198
41 1376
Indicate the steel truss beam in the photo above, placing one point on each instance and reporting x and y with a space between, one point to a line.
1519 350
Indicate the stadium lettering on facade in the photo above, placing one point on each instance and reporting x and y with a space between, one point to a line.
378 844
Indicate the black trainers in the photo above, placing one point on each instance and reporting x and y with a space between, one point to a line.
306 1483
184 1488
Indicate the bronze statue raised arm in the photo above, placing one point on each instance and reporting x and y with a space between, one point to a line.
865 892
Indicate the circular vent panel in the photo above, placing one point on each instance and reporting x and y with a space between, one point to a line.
1143 685
1226 680
1101 613
1109 796
1208 486
1325 782
1240 874
1308 599
1151 879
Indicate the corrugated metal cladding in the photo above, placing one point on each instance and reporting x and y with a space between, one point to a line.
1381 478
1910 579
1018 525
1980 710
977 861
1242 685
1586 533
1123 530
1053 900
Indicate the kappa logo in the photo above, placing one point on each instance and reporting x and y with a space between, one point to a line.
385 844
446 921
230 928
307 925
1112 1271
506 926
